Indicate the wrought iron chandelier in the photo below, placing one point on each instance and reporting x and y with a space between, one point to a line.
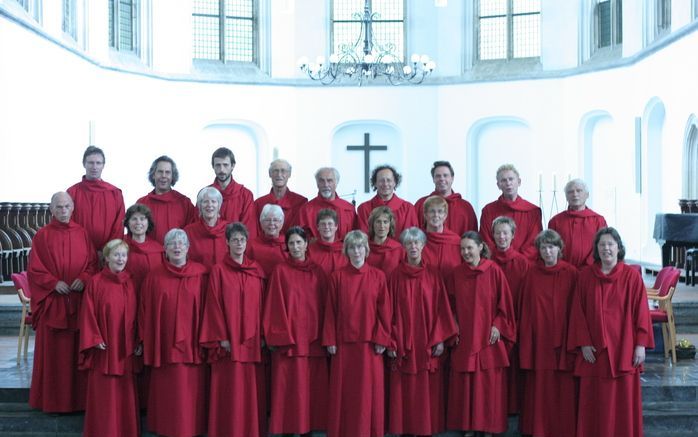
367 60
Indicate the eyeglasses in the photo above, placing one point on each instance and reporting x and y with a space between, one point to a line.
238 240
271 220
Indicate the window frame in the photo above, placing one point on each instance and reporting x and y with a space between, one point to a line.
255 20
616 24
114 27
662 18
69 23
509 37
330 45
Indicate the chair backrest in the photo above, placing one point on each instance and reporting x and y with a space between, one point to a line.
669 281
637 267
21 283
662 276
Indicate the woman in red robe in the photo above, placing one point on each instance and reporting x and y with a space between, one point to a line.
443 246
515 266
232 333
268 248
385 252
170 312
293 316
327 251
549 405
422 323
108 348
481 301
144 252
609 328
356 332
207 243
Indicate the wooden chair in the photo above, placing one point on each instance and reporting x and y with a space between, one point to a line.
665 313
22 285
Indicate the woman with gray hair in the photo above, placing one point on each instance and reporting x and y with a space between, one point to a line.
422 323
356 332
171 305
268 248
549 399
207 234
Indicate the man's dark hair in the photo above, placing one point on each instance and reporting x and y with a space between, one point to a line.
223 152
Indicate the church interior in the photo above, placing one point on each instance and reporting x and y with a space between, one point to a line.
600 90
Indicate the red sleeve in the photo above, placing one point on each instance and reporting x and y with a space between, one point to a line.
90 335
381 333
277 329
444 323
329 327
213 326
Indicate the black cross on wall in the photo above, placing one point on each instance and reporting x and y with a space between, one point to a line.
367 148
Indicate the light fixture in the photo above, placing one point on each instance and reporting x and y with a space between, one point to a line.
366 60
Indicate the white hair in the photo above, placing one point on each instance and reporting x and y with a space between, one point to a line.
175 234
212 193
578 182
324 169
273 210
280 161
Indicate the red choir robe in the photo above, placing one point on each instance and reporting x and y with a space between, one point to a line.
515 266
477 395
461 215
385 257
142 258
528 218
292 321
357 317
610 313
404 212
578 229
442 251
108 316
549 405
291 204
99 208
329 256
207 244
170 311
238 205
267 251
169 210
60 252
233 312
422 318
345 215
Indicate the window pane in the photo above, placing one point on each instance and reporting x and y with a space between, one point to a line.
206 44
239 8
619 22
390 37
343 9
489 8
126 25
493 38
344 34
111 23
388 9
525 6
388 26
526 36
604 23
239 43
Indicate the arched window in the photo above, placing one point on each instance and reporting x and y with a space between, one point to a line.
225 30
507 29
690 166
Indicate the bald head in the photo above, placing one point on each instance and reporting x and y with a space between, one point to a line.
61 206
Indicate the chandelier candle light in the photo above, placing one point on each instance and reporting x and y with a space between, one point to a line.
366 60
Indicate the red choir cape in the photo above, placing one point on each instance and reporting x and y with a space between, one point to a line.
108 316
63 252
291 204
294 308
170 313
329 256
169 210
480 298
142 258
442 251
577 229
515 266
546 300
386 256
267 251
207 244
404 212
233 311
99 208
422 316
357 316
609 312
345 215
461 215
528 218
238 205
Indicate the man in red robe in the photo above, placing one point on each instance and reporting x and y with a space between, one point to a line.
578 225
99 206
280 194
384 180
527 216
327 179
461 215
238 203
60 263
170 208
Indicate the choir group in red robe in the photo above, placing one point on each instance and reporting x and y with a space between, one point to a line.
457 326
